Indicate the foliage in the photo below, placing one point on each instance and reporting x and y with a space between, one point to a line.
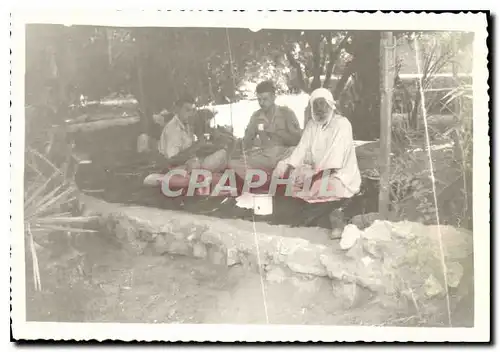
51 204
211 63
49 208
438 54
462 136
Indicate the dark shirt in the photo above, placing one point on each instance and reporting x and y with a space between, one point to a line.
281 128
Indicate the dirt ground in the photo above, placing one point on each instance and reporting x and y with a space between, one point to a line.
113 286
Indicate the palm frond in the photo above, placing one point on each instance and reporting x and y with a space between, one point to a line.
458 92
44 201
66 220
44 158
48 191
36 194
47 228
34 258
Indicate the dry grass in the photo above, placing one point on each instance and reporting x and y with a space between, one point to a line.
49 200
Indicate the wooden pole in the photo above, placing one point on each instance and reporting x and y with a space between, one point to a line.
387 67
109 43
454 68
140 63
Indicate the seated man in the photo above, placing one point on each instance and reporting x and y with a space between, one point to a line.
271 134
326 153
177 144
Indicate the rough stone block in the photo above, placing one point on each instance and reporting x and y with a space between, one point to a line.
125 231
363 221
404 229
305 261
211 237
379 231
356 251
432 287
307 286
335 268
179 247
217 255
373 248
200 250
349 237
233 257
455 274
160 244
276 274
336 234
457 243
348 293
135 247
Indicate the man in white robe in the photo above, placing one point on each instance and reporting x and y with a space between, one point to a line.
325 153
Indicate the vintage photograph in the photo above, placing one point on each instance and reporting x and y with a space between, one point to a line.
206 174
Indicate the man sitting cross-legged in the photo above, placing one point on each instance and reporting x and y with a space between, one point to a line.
271 134
324 161
182 148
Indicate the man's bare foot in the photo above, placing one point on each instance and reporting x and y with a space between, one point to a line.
153 180
337 223
336 234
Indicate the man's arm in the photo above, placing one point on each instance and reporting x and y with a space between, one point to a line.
250 133
299 153
170 141
292 133
340 142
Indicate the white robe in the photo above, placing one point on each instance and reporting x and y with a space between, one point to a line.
326 146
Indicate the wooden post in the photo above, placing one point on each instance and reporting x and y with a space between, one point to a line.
387 67
109 43
140 58
454 68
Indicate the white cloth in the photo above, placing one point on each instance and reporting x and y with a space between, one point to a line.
175 137
321 93
143 142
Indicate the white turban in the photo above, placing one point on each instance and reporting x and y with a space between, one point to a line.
321 93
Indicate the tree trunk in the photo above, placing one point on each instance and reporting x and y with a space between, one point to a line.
141 66
365 118
109 44
300 75
315 43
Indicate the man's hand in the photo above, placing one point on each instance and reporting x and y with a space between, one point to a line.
264 136
193 163
281 169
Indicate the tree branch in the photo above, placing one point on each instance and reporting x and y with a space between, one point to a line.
348 71
333 58
295 64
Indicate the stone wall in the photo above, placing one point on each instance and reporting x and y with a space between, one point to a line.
392 261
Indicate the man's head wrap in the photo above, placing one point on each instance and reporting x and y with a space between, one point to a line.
321 93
